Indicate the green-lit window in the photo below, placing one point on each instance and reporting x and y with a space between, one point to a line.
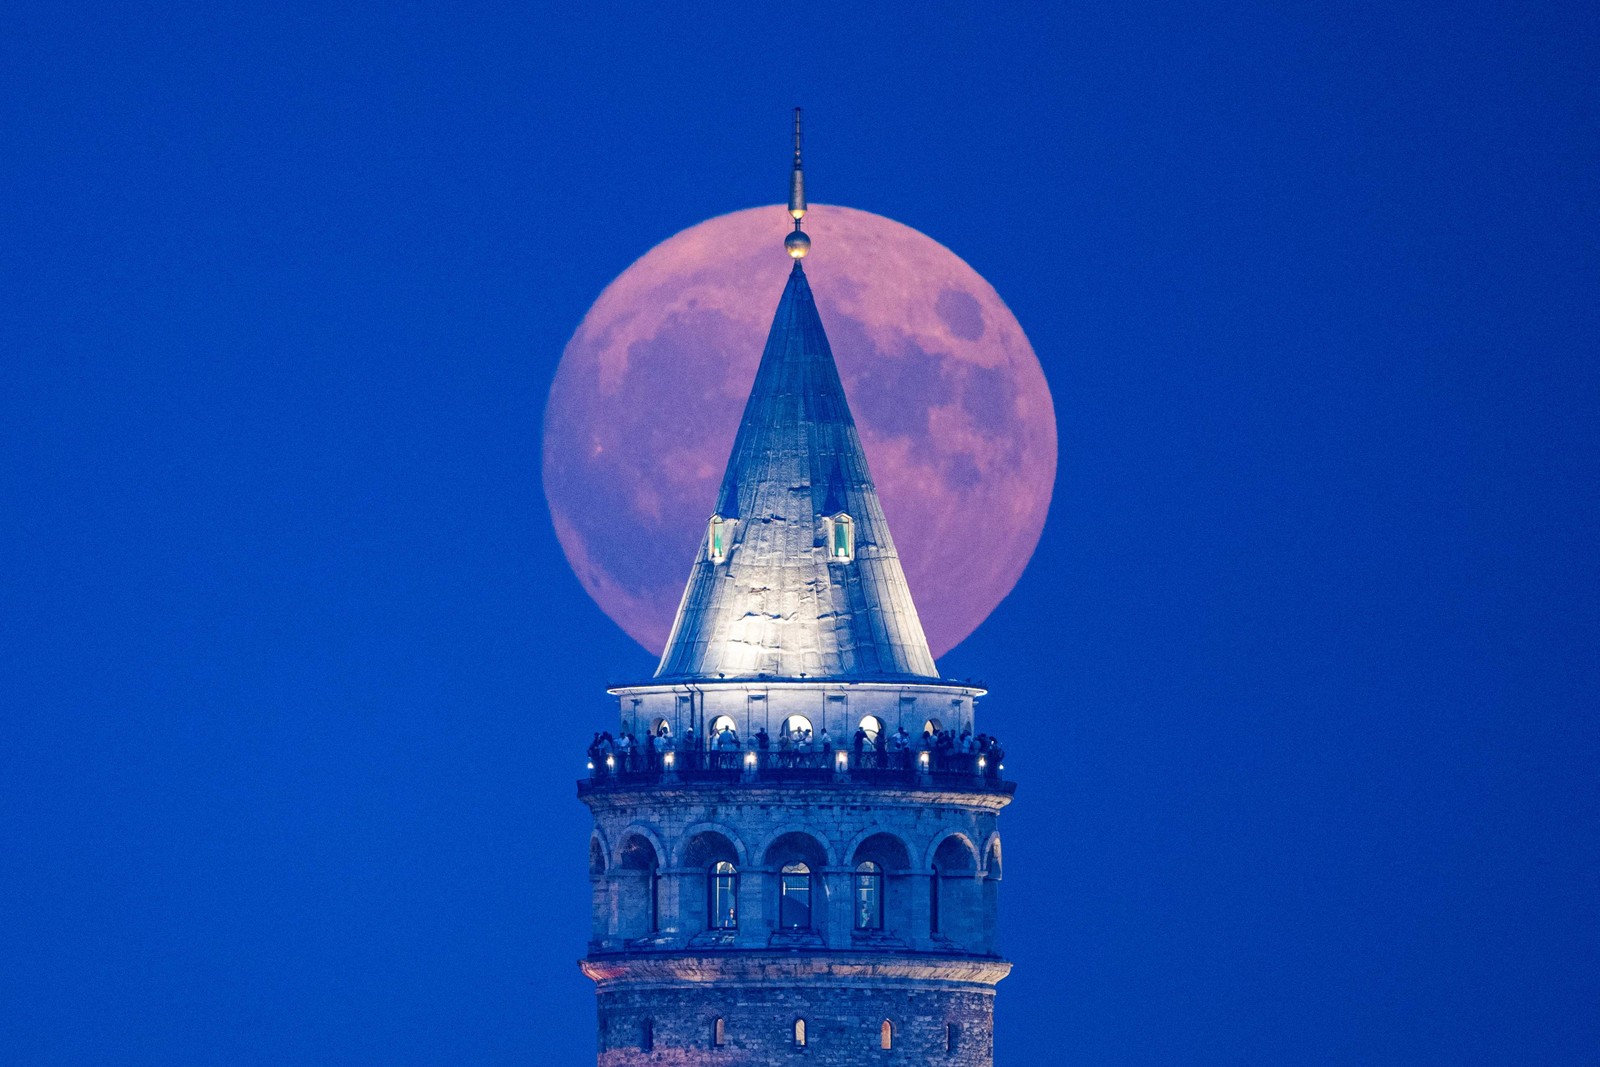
717 539
841 538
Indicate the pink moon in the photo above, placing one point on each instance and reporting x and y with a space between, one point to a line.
949 398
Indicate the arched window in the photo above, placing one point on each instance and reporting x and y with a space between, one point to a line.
718 725
719 1032
800 1033
841 538
660 728
886 1035
722 884
933 902
794 897
932 726
717 538
869 896
797 729
952 1036
873 726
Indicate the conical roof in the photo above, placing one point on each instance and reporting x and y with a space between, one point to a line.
801 579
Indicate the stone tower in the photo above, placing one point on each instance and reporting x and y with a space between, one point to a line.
789 859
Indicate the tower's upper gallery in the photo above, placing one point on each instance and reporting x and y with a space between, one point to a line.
797 576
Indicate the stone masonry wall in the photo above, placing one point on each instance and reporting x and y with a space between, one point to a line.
843 1026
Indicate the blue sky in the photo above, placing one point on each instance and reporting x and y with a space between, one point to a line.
1300 685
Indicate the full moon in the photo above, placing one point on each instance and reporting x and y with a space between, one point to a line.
949 398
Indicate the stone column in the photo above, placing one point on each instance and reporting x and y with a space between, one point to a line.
841 917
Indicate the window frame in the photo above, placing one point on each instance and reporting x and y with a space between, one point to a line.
841 535
869 878
715 876
797 871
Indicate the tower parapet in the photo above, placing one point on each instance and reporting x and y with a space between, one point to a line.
796 842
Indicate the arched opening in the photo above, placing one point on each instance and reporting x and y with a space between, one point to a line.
719 1032
886 1035
952 1036
932 727
952 899
724 733
713 853
882 863
647 1036
660 727
639 872
797 901
597 857
873 727
799 1033
795 731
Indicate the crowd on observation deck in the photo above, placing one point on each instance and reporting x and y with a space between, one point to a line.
936 750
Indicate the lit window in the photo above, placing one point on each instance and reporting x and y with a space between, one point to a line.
724 733
718 1032
721 905
800 1033
794 897
717 538
932 726
869 896
796 729
873 727
886 1035
841 538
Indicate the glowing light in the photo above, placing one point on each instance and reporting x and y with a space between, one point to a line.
611 762
982 763
669 759
843 760
923 759
590 764
749 759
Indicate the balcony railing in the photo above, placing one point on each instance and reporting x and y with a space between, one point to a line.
841 767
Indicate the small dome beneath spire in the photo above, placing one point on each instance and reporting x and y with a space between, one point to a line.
797 244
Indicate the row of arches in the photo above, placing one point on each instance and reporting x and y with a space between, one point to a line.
956 848
795 887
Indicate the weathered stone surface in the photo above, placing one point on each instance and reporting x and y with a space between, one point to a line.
843 1024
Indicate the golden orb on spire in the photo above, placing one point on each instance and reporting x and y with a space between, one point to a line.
797 244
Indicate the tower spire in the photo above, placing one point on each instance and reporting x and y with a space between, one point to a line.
797 244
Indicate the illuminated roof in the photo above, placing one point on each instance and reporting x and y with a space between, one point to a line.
774 604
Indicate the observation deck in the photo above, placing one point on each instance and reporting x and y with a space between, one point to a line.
954 772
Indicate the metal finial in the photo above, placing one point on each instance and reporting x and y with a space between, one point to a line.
797 243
